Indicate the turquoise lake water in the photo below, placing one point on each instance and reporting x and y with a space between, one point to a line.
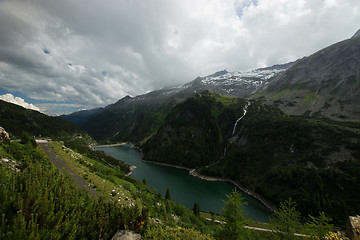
184 188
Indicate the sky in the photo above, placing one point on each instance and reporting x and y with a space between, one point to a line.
64 56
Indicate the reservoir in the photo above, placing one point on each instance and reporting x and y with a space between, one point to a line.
184 188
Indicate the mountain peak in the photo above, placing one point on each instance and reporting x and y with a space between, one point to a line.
357 34
219 73
127 97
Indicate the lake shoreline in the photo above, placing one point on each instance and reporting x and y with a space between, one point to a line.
112 145
193 173
267 204
168 165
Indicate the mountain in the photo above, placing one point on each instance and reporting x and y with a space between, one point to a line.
133 119
136 118
314 161
16 120
238 84
81 117
325 83
298 137
195 131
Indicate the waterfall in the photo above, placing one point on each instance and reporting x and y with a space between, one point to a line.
231 138
245 109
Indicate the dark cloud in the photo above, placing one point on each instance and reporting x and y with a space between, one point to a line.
91 53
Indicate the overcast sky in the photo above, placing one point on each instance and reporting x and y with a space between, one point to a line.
67 55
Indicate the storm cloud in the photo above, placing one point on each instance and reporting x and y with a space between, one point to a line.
91 53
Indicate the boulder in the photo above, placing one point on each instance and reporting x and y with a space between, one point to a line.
126 235
3 134
353 227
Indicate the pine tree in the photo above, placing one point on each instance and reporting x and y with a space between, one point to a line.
286 220
235 218
167 195
196 209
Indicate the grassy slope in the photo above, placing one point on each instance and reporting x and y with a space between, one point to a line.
125 203
38 202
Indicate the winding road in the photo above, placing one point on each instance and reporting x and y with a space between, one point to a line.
64 168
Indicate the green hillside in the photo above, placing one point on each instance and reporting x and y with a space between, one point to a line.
16 120
195 131
314 161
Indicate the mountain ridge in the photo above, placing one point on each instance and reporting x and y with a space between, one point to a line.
16 120
326 83
121 121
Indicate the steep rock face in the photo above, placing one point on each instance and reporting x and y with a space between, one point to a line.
327 82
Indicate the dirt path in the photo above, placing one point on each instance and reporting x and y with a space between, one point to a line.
74 177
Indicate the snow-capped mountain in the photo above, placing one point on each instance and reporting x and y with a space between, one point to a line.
121 119
240 84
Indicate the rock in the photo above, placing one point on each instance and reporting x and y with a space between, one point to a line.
3 134
126 235
157 221
11 164
353 228
176 218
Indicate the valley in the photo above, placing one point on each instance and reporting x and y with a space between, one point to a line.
288 134
283 126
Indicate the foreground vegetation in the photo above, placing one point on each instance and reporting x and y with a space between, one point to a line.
38 202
